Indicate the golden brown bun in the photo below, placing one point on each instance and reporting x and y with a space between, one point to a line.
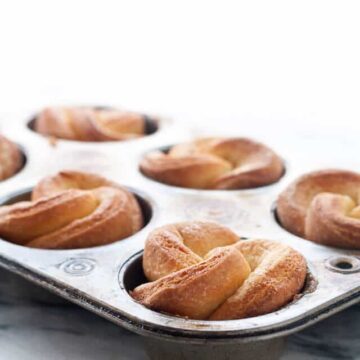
277 275
323 206
89 124
201 270
11 159
72 210
215 163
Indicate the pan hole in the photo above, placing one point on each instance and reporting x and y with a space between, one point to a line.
343 264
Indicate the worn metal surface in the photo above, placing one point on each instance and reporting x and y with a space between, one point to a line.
94 278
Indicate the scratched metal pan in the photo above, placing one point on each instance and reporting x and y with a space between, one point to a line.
100 278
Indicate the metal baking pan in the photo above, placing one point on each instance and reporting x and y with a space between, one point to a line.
99 278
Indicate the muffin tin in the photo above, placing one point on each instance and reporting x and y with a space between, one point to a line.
100 278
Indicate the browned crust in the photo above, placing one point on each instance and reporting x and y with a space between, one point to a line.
69 179
322 206
89 124
11 158
196 291
72 210
174 247
215 163
264 276
277 275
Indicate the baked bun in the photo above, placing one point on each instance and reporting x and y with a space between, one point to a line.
215 163
72 210
11 158
89 124
201 270
323 206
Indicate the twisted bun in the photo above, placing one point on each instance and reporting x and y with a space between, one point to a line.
11 158
323 206
89 124
215 163
201 270
72 210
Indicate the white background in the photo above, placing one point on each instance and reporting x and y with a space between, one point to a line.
292 63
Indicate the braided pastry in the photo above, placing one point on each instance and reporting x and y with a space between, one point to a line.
215 163
72 210
11 158
89 124
323 206
201 270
